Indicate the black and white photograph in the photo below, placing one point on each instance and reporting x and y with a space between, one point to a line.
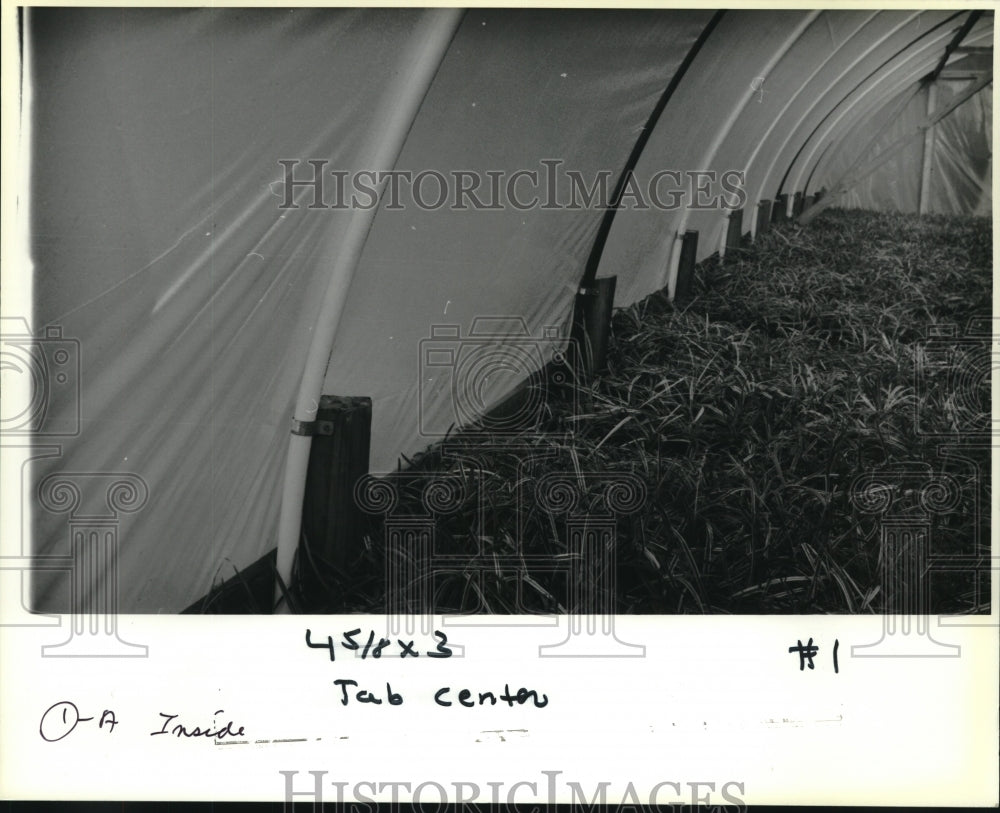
422 328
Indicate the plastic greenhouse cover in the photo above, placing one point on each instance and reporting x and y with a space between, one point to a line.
162 250
183 292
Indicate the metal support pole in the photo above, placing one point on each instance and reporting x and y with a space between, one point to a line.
685 270
592 326
734 230
763 218
779 214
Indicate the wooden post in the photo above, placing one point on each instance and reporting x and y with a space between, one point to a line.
796 204
331 520
592 326
925 171
763 217
685 268
734 230
779 214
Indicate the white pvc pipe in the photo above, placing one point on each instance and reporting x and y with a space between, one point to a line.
723 133
915 65
414 74
818 98
925 170
883 90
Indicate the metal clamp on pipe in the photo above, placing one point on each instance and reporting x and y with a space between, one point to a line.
304 428
311 428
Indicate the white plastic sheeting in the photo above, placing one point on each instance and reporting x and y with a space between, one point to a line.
962 161
160 243
961 169
509 96
803 79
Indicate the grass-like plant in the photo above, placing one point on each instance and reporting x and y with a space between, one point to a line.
801 365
